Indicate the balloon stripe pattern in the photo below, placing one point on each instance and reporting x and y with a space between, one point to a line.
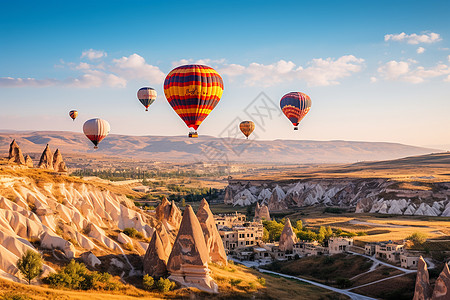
147 96
96 130
295 106
247 128
193 91
73 114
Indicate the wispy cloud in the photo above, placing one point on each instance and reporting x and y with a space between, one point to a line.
116 73
420 50
318 72
407 72
414 39
92 54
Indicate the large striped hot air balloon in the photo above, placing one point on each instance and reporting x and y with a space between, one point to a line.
147 96
193 91
247 127
295 106
96 130
73 114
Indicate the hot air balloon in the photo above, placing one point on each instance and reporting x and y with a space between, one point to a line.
73 114
193 91
147 96
96 130
295 106
247 127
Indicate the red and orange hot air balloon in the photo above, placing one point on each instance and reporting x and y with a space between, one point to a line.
295 106
247 127
193 91
73 114
96 130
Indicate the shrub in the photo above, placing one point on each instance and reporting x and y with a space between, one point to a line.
418 238
128 246
235 282
30 265
139 235
262 281
148 282
130 231
343 282
164 285
76 276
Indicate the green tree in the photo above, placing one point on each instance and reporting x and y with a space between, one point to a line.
183 202
265 237
322 234
299 225
329 232
148 282
164 285
30 265
418 238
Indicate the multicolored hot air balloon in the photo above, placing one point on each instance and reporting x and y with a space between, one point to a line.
193 91
247 127
295 106
147 96
96 130
73 114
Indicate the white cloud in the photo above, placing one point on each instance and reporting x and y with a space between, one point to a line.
373 79
414 38
135 67
403 71
204 61
420 50
318 72
92 54
448 57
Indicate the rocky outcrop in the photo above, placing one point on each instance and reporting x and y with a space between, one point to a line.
288 237
169 214
15 154
262 212
369 195
212 237
423 288
58 163
188 261
442 285
46 161
90 259
28 161
155 259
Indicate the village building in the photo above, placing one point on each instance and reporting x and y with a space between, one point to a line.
409 260
339 244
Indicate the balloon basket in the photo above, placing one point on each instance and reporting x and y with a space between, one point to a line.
95 147
193 135
295 128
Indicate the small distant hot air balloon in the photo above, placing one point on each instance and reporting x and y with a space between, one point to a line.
96 130
295 106
193 91
147 96
73 114
247 128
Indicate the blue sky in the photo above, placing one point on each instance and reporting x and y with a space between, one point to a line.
375 71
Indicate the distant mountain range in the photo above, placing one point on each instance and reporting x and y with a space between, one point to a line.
210 149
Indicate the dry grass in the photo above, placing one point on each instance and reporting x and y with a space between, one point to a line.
377 274
398 288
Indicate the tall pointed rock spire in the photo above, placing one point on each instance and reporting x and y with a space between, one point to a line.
288 237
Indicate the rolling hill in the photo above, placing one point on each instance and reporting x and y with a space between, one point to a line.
207 148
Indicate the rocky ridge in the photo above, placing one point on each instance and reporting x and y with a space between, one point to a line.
371 195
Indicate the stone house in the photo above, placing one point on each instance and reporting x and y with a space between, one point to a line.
409 260
339 244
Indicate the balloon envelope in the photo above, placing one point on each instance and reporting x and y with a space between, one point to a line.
73 114
96 130
147 96
247 127
193 91
295 106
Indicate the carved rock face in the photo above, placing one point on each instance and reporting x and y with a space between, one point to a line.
15 154
287 238
155 259
442 285
423 288
46 161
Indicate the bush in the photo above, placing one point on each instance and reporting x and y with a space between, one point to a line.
418 238
235 282
148 282
343 282
15 296
77 277
262 281
30 265
128 246
130 231
164 285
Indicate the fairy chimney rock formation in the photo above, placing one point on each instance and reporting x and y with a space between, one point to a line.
46 161
423 288
188 262
28 161
442 285
212 237
169 214
15 154
155 259
58 163
262 212
287 238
